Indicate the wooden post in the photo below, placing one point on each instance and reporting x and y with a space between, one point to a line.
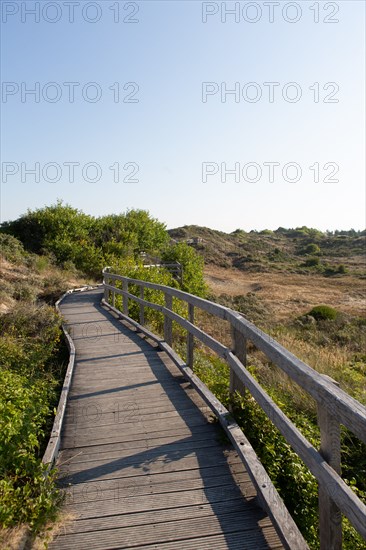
330 517
168 325
113 299
125 298
239 344
190 337
106 291
142 308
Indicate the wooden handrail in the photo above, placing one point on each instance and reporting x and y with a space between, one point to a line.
345 408
335 406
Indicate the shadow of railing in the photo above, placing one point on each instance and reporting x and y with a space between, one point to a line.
214 488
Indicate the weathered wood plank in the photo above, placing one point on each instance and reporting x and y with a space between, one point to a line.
130 537
157 516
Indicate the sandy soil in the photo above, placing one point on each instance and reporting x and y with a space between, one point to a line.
290 295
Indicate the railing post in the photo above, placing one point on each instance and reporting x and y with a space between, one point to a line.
142 308
239 344
168 325
190 337
106 291
113 298
330 517
125 298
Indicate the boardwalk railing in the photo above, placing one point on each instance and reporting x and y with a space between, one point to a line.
335 407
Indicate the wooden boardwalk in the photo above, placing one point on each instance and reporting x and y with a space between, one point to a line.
142 463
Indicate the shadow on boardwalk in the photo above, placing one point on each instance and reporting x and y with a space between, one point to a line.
143 467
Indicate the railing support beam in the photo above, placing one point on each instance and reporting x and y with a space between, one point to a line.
330 518
239 345
142 308
190 338
168 324
106 291
125 298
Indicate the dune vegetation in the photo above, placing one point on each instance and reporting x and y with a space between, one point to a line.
303 287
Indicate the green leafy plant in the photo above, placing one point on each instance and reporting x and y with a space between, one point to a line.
323 313
312 262
192 265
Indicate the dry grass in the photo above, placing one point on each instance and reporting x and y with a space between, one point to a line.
29 283
330 360
14 538
51 531
290 295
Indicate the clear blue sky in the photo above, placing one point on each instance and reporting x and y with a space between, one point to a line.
170 132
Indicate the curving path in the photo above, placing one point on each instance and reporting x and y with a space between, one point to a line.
142 463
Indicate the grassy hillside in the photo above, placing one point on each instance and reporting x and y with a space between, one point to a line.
302 250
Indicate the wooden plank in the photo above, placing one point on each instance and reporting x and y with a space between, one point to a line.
157 516
186 535
70 440
110 490
115 450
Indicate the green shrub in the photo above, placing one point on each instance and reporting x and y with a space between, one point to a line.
311 248
323 313
72 237
192 266
312 262
24 292
11 249
30 372
26 495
